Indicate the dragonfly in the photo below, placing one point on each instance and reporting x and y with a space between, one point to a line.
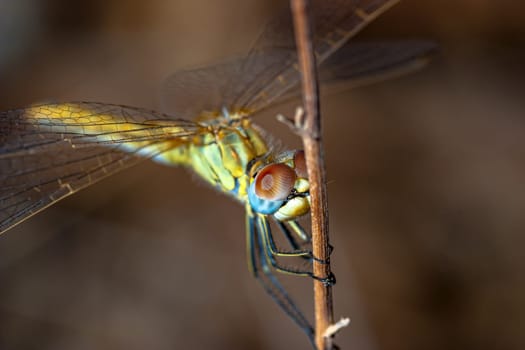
50 151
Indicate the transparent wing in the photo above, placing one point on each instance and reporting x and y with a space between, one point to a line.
48 152
202 92
270 69
360 63
352 65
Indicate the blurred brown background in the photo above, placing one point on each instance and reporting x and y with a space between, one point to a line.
426 191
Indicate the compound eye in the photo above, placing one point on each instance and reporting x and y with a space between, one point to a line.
274 182
300 164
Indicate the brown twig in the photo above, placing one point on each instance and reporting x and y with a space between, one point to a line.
309 125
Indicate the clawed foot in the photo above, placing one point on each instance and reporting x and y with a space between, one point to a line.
326 281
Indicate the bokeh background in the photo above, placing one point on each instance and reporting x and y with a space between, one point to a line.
426 189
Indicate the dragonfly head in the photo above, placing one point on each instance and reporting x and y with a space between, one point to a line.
281 188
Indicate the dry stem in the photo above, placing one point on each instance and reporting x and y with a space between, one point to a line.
310 125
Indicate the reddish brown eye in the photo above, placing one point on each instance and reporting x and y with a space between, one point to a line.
300 164
274 182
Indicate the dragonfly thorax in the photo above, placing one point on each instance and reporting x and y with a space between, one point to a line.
221 155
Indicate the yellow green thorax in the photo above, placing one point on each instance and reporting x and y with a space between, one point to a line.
221 156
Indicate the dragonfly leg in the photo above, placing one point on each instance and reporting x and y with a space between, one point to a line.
288 235
269 245
260 225
296 252
296 227
299 231
261 270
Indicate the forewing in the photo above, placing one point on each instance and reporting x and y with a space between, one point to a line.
48 152
270 69
334 23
